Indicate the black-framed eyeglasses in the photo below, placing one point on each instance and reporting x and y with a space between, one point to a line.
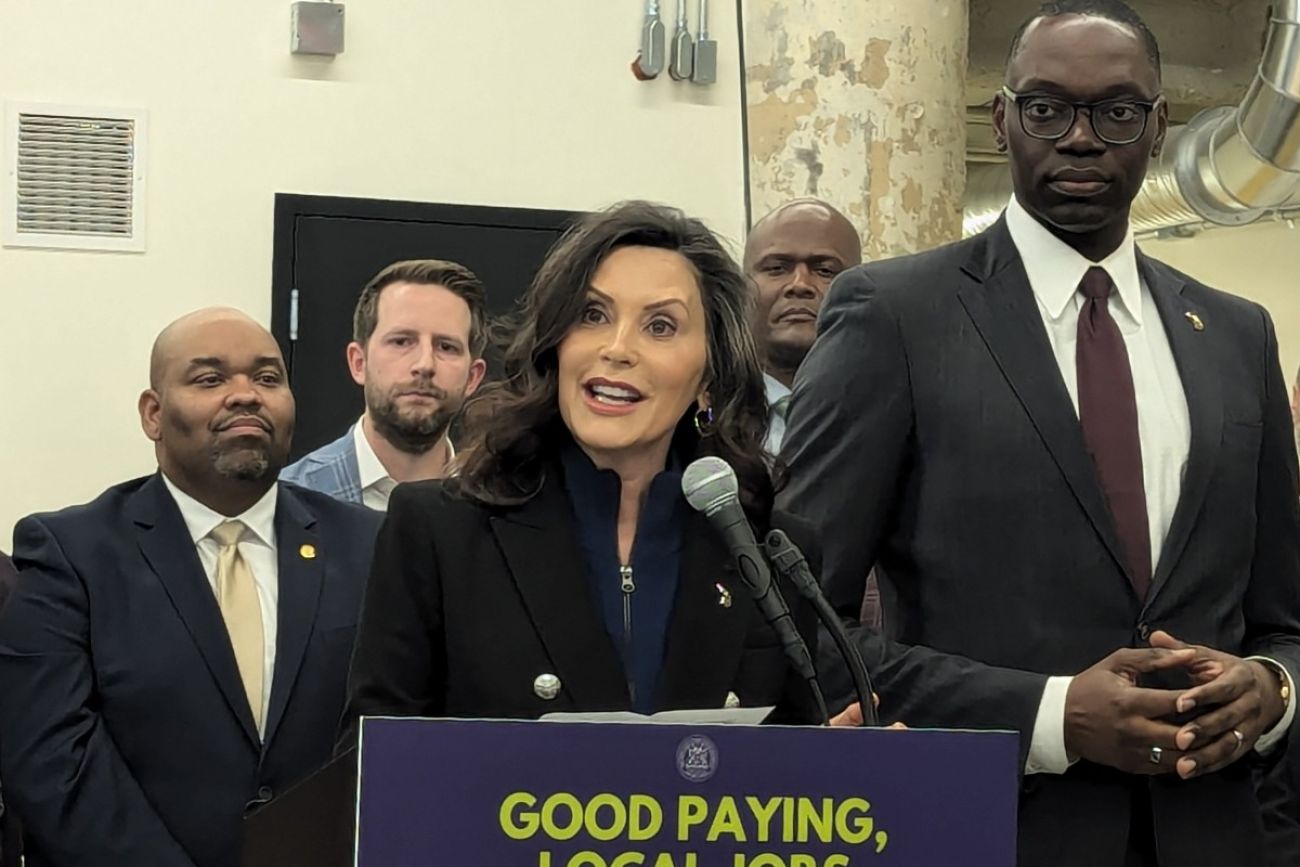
1118 121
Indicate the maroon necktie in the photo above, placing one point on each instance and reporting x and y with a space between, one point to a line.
1108 414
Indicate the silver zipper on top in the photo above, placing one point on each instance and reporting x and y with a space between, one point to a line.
628 587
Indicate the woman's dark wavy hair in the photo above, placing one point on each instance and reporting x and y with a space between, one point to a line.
512 427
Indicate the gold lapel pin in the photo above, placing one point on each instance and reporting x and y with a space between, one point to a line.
307 552
1197 324
724 595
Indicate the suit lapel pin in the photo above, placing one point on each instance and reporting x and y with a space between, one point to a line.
724 595
307 552
1197 324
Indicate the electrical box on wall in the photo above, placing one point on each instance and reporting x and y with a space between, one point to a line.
316 28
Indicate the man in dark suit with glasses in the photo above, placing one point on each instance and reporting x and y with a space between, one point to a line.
1075 466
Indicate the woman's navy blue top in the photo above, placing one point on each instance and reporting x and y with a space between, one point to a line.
637 604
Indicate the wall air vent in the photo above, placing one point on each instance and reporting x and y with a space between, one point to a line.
74 178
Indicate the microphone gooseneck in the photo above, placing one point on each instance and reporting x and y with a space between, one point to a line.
790 562
710 487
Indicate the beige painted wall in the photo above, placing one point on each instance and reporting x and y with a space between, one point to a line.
1260 262
486 102
497 102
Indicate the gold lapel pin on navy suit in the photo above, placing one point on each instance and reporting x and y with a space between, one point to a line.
307 552
1197 324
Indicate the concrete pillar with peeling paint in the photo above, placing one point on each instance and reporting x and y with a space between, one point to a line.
861 104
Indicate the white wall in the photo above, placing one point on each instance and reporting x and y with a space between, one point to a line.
500 102
1259 262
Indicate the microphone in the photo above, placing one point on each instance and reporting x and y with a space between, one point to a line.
710 486
791 563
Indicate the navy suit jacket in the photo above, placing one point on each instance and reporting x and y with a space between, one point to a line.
125 735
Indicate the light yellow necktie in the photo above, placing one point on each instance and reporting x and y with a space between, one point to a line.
242 609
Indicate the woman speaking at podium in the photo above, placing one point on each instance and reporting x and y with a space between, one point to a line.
562 569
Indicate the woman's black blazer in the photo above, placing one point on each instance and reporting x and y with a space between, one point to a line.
468 606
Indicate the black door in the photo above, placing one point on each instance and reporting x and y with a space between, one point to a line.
327 248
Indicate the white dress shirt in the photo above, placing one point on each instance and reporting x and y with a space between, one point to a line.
1164 426
257 547
376 485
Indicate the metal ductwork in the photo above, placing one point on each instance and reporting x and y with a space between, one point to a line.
1226 167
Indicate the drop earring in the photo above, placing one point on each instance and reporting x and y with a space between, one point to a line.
704 421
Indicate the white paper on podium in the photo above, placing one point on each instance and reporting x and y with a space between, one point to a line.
743 716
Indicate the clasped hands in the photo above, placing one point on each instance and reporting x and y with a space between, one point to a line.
1112 721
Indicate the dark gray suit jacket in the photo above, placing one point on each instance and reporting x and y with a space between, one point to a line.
931 431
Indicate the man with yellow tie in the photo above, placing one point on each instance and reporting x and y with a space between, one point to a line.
175 652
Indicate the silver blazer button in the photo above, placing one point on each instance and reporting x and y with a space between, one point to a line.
546 686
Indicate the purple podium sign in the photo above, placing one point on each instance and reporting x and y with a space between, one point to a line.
550 794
